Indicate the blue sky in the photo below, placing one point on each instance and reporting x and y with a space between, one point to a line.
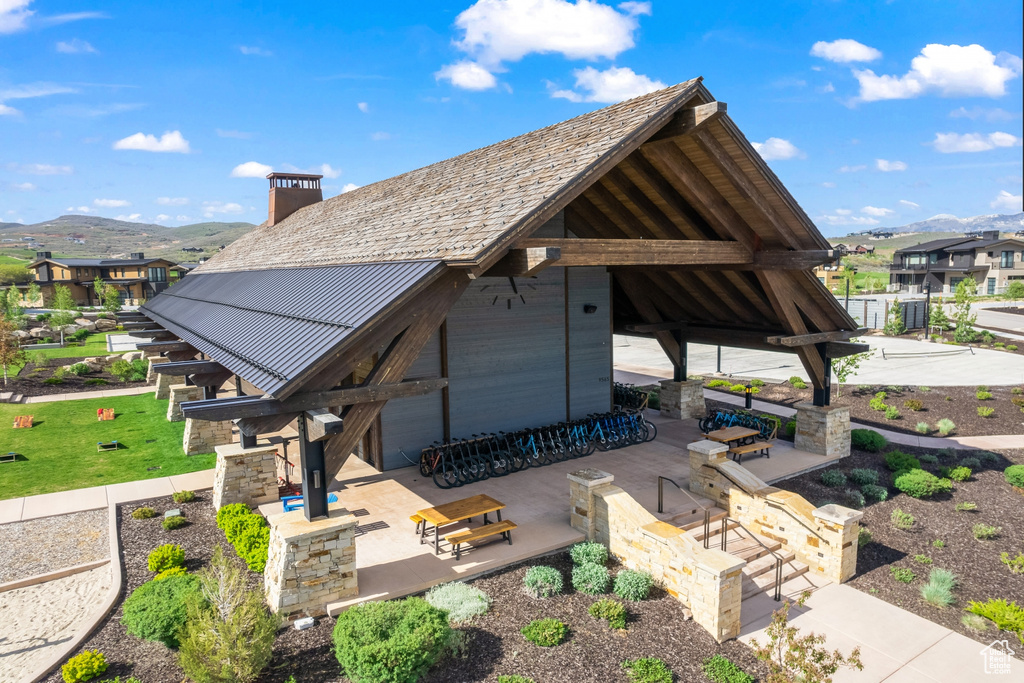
871 113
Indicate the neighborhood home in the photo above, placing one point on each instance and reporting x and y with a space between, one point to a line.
831 275
136 279
993 262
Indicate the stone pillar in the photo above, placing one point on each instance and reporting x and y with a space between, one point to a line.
583 508
245 475
310 564
202 436
822 430
179 393
682 400
840 526
704 454
717 594
155 360
163 386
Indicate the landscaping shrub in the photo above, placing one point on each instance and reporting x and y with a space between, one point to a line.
974 622
983 395
183 496
965 507
938 543
632 585
121 369
898 461
722 670
922 428
868 440
230 511
987 457
791 428
1011 347
892 413
874 492
172 523
928 459
923 559
57 378
1015 564
396 641
972 463
921 484
833 478
515 678
543 582
985 532
647 670
960 473
156 609
854 499
79 335
877 404
612 611
945 426
985 412
545 632
84 667
462 602
143 513
794 380
862 475
240 525
79 369
738 388
881 395
589 553
902 574
166 556
1007 616
757 383
863 537
590 578
718 383
168 573
253 547
1017 391
97 381
902 520
913 404
938 592
1014 475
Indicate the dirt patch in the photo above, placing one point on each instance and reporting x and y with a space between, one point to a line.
31 380
976 563
959 404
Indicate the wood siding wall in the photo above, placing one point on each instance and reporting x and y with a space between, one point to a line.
410 424
590 342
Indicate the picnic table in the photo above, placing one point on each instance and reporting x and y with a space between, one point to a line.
726 435
457 511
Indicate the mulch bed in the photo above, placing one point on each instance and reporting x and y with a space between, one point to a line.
976 563
1009 309
656 627
31 383
958 404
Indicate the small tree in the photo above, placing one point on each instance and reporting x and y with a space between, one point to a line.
847 366
33 295
99 287
962 315
13 311
894 326
111 299
937 317
1014 291
64 310
11 353
792 657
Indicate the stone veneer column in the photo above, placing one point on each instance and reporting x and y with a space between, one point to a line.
822 430
155 360
702 479
841 527
582 504
717 594
682 400
163 385
179 393
310 564
202 436
245 475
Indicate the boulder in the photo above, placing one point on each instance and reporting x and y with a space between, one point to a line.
132 355
40 332
20 334
85 324
70 329
105 325
113 357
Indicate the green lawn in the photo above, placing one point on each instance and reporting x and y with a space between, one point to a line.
59 452
6 260
94 345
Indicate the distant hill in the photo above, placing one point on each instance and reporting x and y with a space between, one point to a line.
945 222
95 236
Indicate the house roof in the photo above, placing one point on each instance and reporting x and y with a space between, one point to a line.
96 263
935 245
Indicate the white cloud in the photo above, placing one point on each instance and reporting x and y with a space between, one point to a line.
975 113
852 169
210 209
58 19
348 187
76 46
161 217
78 209
887 166
828 184
8 111
828 87
847 220
844 212
328 172
256 51
41 169
111 203
236 134
251 169
363 107
946 70
131 217
876 211
467 75
615 84
777 148
1007 201
380 135
13 15
172 201
948 143
23 187
909 204
171 141
32 90
845 50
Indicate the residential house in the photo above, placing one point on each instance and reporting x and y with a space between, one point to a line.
990 260
136 279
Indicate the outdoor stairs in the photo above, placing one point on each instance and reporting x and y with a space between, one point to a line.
10 397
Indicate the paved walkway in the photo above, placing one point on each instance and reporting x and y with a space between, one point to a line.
84 395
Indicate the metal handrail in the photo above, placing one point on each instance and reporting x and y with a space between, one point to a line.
778 558
707 510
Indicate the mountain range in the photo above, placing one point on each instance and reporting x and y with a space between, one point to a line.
945 222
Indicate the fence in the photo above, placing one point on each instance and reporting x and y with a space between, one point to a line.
871 313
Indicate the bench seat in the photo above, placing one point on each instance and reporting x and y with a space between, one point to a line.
503 527
737 452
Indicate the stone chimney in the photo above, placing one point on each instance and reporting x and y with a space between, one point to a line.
138 256
990 235
41 255
289 192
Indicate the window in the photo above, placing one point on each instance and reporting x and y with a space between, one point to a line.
78 272
933 257
991 286
158 275
1006 259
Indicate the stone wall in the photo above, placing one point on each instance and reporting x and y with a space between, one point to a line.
179 393
310 564
824 430
707 581
163 384
245 475
202 436
155 360
825 538
682 400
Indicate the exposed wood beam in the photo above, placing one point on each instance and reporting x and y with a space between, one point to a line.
770 259
781 292
646 172
322 424
524 262
162 346
713 334
153 334
647 208
642 252
631 285
748 286
178 356
688 120
140 325
617 212
814 338
189 367
841 349
211 379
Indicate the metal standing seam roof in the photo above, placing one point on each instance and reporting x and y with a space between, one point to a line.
269 325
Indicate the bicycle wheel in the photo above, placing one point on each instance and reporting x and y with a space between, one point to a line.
445 476
425 469
652 431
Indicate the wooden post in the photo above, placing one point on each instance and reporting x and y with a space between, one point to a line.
209 393
246 440
314 475
823 395
680 369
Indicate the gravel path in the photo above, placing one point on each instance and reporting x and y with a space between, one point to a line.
40 618
51 543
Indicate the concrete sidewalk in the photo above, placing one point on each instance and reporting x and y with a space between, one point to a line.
77 500
84 395
897 646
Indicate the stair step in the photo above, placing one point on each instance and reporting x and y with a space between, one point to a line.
766 582
716 529
695 518
766 563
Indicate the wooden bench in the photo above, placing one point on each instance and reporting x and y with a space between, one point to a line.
105 413
504 528
418 520
737 452
23 422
